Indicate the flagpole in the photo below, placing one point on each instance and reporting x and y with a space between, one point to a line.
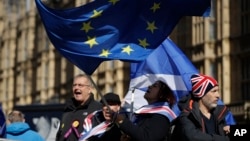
99 93
132 103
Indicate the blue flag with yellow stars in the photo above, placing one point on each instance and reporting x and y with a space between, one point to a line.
126 30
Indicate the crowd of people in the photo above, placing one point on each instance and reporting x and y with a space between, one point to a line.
198 118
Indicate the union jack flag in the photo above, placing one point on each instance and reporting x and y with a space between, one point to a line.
201 84
159 108
89 130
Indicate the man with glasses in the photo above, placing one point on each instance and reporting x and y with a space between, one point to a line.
77 108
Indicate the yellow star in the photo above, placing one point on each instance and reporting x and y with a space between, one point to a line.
143 42
155 7
86 27
91 42
113 1
151 26
105 53
127 49
96 14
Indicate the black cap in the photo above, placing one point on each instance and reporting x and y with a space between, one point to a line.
111 98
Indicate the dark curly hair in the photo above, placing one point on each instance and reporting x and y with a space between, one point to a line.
166 94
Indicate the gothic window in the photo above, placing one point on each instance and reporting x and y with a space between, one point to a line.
245 17
245 79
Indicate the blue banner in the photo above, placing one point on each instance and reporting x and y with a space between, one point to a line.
126 30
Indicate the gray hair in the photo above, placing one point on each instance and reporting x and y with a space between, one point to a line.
85 76
16 116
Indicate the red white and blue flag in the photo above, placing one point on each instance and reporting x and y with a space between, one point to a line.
161 108
89 130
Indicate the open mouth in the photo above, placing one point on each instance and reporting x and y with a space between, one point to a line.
77 92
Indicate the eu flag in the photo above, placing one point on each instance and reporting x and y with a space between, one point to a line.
126 30
169 64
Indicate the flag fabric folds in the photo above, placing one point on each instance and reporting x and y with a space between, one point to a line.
161 108
89 130
167 63
126 30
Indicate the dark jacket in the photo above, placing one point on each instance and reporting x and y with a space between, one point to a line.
113 133
191 126
151 127
74 112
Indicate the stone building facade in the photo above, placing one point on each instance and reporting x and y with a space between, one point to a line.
33 72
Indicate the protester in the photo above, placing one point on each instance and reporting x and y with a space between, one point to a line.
77 109
202 119
18 130
101 120
151 122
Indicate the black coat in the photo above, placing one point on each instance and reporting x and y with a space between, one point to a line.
191 126
74 112
151 127
112 134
